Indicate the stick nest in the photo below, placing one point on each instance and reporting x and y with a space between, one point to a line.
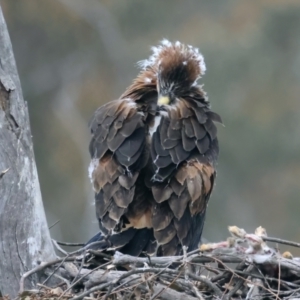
242 267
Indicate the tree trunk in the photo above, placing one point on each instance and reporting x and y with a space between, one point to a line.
24 235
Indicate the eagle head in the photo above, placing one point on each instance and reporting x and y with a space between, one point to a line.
178 68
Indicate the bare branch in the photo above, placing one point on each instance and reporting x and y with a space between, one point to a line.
281 241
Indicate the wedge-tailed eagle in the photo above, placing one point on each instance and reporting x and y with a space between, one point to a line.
153 156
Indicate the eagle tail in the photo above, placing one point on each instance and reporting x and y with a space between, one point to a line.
196 231
132 242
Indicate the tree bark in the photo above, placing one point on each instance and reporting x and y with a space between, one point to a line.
24 235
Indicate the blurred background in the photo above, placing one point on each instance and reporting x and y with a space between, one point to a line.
75 55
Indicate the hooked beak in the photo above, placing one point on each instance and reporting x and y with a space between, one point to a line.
163 100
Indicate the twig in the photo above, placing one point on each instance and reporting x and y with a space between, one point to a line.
208 283
185 263
235 273
79 279
266 279
59 248
122 286
279 275
120 259
4 172
81 250
145 270
64 280
91 290
40 285
197 293
80 267
280 241
108 292
56 222
41 267
254 290
238 257
179 283
169 294
99 254
164 288
53 272
69 244
239 283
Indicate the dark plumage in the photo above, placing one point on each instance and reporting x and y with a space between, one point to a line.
154 154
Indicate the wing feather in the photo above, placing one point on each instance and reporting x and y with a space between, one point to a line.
165 235
178 203
161 217
184 150
118 151
187 142
188 127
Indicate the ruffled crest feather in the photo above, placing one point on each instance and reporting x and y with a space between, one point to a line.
165 47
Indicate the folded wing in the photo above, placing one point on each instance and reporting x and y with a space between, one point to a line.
118 155
184 151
